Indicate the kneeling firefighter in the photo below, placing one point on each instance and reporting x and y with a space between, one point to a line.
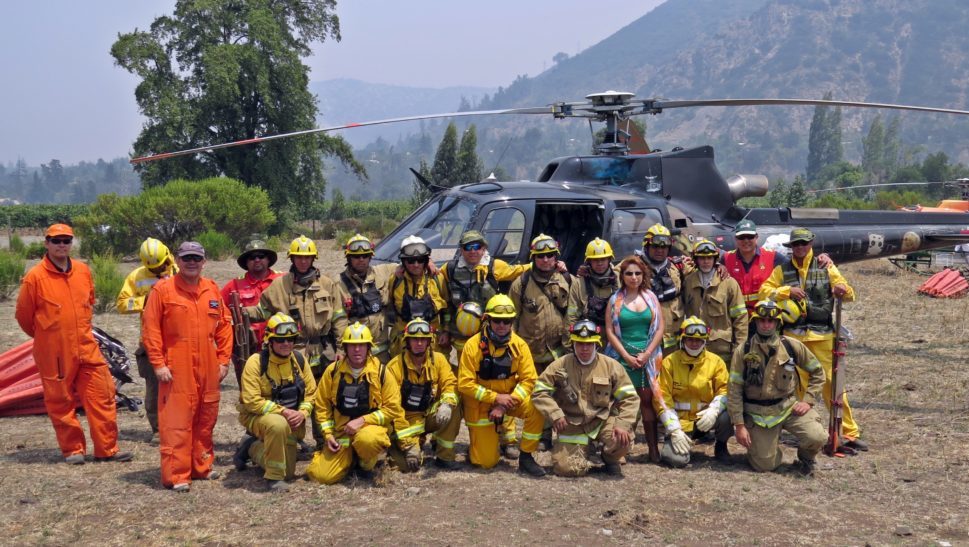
694 384
356 404
275 402
428 398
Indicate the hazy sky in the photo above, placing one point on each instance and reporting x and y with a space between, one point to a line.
62 97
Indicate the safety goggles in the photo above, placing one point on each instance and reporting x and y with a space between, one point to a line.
473 246
696 331
61 240
360 247
286 329
585 330
660 241
419 328
502 309
546 246
416 260
765 312
192 258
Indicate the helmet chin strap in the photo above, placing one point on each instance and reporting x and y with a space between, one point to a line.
591 359
694 352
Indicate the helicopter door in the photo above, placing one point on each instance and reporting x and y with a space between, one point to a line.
627 228
504 228
573 225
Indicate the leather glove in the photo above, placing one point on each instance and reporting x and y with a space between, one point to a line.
707 417
681 443
443 415
413 457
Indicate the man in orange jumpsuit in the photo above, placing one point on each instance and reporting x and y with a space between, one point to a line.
55 308
188 336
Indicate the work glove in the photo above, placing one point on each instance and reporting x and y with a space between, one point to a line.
413 457
681 443
706 418
443 414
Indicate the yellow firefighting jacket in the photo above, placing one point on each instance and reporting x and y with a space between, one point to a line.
436 370
255 395
136 287
416 289
317 309
600 389
381 278
520 384
690 384
501 270
721 306
763 380
384 397
541 320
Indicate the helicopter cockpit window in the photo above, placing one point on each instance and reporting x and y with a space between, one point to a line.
628 227
505 229
440 223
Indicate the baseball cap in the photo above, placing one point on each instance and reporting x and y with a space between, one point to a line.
472 236
191 248
59 230
800 234
745 227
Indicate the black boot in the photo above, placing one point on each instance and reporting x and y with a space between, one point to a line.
527 464
720 452
612 469
545 443
241 456
806 467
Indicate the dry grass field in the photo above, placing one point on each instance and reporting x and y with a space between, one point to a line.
908 384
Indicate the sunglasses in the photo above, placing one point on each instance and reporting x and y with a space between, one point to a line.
546 256
476 246
419 328
632 273
746 237
419 260
192 258
501 321
287 329
257 256
61 240
360 246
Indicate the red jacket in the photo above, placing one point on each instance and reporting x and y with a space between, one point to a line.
249 291
750 280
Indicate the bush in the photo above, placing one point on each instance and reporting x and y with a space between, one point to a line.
376 227
35 215
107 281
12 267
16 245
178 211
36 249
218 246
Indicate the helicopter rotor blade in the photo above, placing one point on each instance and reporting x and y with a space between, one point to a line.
655 106
266 138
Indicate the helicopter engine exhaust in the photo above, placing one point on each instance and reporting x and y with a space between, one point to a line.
747 186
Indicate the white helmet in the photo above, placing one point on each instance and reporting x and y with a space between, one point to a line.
413 246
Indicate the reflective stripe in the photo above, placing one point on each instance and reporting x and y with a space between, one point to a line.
736 378
267 407
442 442
479 423
770 421
338 313
737 311
623 391
327 424
379 416
251 421
669 341
480 392
812 365
541 387
344 441
754 297
574 439
531 436
276 465
720 401
595 432
306 406
670 420
411 431
450 397
682 406
520 391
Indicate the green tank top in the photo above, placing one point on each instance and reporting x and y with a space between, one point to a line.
635 329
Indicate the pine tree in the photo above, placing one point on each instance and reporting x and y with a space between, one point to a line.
797 197
778 193
421 192
445 160
873 152
824 140
468 167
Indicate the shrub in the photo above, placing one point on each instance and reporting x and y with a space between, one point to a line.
16 245
376 227
12 266
218 246
341 237
36 249
107 281
178 211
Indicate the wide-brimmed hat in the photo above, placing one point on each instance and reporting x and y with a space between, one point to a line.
256 245
800 235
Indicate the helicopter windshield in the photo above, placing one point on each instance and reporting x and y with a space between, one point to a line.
440 223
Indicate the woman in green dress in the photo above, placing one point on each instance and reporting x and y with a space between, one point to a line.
634 328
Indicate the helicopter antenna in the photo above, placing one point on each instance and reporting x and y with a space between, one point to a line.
502 155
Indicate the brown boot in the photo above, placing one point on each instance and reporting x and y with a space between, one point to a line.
649 422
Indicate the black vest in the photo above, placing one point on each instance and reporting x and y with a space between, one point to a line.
820 302
287 395
365 303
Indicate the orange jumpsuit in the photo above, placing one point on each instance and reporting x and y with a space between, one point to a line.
55 308
189 330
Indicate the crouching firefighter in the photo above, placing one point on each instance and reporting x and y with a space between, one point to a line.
496 376
762 394
356 404
694 384
428 398
275 403
589 398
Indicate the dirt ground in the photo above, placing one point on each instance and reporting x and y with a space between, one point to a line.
908 386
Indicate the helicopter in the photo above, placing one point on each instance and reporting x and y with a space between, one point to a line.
617 193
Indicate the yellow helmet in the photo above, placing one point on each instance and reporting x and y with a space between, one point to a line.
585 330
501 307
358 245
302 246
153 253
791 310
357 333
659 235
766 309
694 327
418 328
598 248
281 326
543 245
705 247
468 318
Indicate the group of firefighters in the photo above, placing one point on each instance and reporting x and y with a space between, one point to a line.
388 358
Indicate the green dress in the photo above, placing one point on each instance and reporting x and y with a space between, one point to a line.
634 327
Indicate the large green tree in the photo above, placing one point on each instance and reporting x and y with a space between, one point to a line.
824 140
446 158
468 168
224 70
